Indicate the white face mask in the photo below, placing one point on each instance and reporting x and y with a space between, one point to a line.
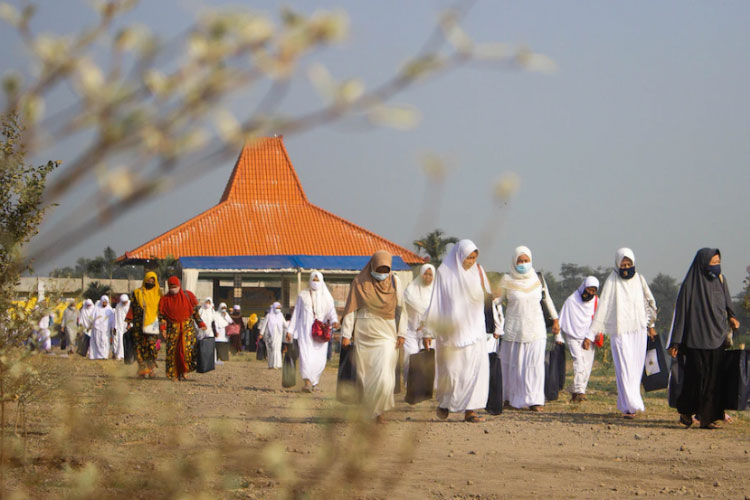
173 291
206 306
277 311
315 285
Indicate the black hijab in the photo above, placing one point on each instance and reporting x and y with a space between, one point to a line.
700 316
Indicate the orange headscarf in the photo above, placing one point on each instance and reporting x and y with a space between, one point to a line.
377 296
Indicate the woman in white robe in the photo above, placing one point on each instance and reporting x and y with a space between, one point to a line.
121 326
208 316
455 318
375 321
525 332
627 313
576 316
273 335
86 320
44 337
314 303
222 319
102 326
416 299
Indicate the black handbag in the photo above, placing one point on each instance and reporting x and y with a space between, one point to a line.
548 321
128 344
399 371
206 348
348 388
676 376
495 397
288 371
222 350
656 363
736 379
421 377
83 344
489 317
260 351
554 372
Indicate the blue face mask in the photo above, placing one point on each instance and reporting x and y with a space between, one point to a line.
523 268
627 272
378 276
713 271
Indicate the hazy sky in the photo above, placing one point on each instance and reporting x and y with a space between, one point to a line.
640 138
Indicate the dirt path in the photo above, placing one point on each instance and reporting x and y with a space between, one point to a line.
235 433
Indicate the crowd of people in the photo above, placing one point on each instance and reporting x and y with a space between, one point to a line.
453 309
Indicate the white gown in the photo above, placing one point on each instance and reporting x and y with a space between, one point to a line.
273 334
313 355
120 327
103 324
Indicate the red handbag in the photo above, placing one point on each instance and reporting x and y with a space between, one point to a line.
321 332
599 338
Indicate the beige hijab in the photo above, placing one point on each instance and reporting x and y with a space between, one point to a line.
377 296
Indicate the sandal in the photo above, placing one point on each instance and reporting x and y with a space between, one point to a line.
686 420
537 408
629 416
711 426
442 413
473 418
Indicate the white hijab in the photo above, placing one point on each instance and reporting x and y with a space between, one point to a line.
207 314
275 318
317 297
576 315
456 311
517 281
102 315
417 295
121 311
623 303
222 318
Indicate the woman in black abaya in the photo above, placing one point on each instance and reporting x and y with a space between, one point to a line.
703 315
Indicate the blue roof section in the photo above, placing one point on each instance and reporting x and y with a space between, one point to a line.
339 263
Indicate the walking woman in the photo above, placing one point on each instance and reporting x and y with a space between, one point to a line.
703 315
121 326
416 299
177 311
274 328
576 316
455 318
627 313
313 304
101 329
374 319
144 314
525 337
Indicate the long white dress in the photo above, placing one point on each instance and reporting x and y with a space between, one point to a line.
273 333
102 326
121 311
455 318
525 336
626 310
576 316
416 300
375 353
313 355
43 337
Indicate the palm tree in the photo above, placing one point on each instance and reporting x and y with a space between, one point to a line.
434 245
95 290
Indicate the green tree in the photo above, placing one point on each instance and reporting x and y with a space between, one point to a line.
95 290
167 267
104 266
665 289
433 244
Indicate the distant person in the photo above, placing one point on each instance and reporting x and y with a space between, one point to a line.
252 333
121 326
207 314
313 304
576 316
455 318
416 299
525 332
144 314
101 330
236 329
178 311
44 336
374 319
627 313
69 325
86 322
222 320
702 318
273 332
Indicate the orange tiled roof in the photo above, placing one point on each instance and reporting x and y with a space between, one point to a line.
264 211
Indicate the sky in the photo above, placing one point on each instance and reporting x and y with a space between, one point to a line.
639 139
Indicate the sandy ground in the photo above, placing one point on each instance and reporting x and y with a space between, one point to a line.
274 441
